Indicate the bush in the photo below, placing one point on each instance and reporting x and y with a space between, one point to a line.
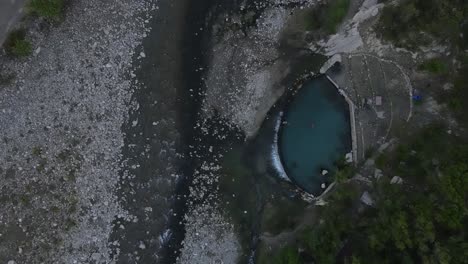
49 9
327 17
335 14
435 66
288 255
381 161
17 45
456 97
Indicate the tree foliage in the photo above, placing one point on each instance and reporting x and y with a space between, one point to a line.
408 22
328 16
423 220
434 66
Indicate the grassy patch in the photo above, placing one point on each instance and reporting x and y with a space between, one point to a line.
48 9
17 45
6 79
37 151
434 66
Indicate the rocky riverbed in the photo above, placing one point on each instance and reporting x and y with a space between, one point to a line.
61 114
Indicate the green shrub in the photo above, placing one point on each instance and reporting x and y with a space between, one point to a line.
327 17
49 9
344 171
312 20
435 66
288 255
335 13
17 45
456 97
381 161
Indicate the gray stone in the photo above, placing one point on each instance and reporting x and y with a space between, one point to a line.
367 199
396 180
378 173
96 256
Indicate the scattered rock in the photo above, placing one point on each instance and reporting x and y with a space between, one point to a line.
320 202
142 245
367 199
378 173
96 256
396 180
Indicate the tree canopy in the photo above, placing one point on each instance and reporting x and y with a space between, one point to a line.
423 220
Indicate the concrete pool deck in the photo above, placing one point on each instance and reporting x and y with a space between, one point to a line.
352 119
380 94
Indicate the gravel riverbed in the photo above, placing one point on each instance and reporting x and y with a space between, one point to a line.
61 114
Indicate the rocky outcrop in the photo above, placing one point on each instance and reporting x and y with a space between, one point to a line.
246 68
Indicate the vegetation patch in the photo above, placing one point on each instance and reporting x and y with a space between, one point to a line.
334 14
288 255
422 220
48 9
6 78
434 66
455 98
17 45
327 17
411 23
344 171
